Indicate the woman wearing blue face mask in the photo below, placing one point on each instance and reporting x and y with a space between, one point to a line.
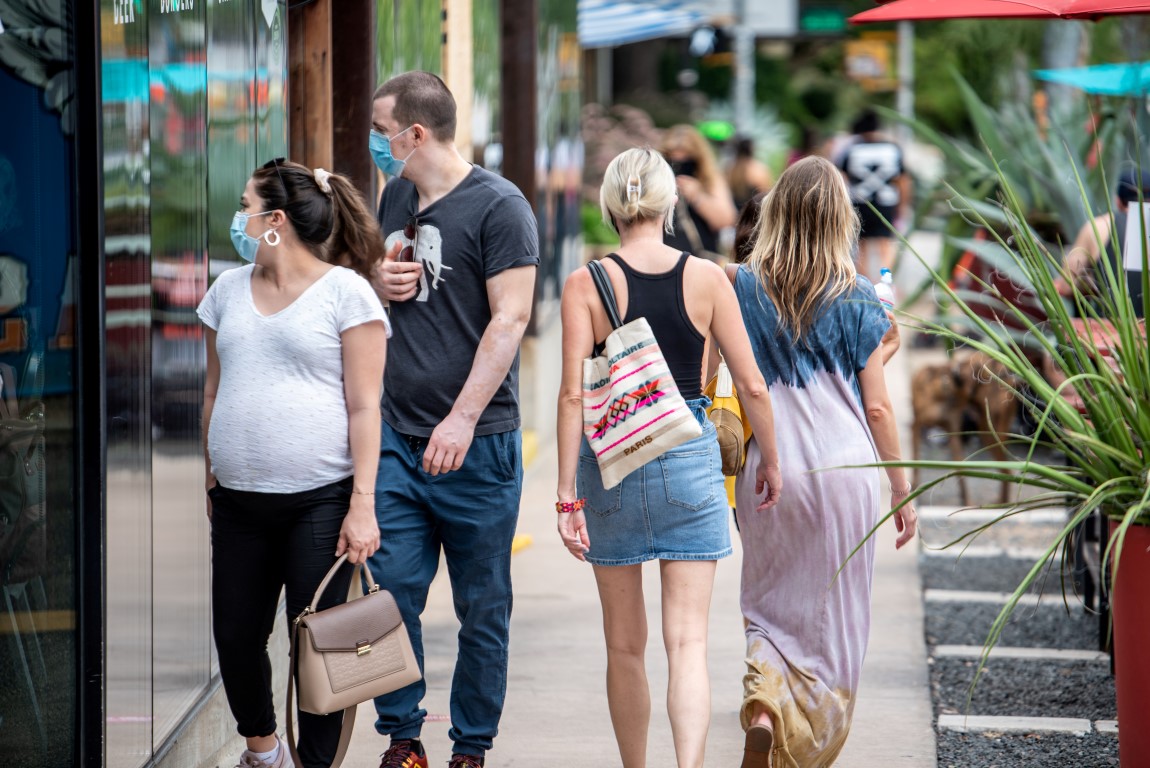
295 344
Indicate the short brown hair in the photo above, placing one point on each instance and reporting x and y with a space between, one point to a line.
421 97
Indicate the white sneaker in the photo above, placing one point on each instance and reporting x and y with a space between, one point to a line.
282 760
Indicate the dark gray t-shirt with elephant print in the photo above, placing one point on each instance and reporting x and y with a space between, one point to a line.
477 230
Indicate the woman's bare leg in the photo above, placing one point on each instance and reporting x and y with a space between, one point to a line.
687 588
625 629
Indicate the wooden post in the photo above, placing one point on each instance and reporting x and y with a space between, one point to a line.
517 20
309 84
354 70
457 67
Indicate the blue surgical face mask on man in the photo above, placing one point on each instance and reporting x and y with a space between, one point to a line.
246 245
380 147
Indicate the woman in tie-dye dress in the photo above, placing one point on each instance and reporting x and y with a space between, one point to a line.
816 329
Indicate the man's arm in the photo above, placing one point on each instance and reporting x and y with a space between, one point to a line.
1087 248
510 294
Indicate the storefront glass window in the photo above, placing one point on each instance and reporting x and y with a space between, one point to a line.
38 252
192 99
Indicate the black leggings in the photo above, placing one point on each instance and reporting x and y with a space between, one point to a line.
260 543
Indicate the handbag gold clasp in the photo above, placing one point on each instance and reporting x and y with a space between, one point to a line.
362 648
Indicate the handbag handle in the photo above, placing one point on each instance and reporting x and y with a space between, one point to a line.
354 591
606 292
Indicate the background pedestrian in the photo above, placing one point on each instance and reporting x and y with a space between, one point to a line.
705 206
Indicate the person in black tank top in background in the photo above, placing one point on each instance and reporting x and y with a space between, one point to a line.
704 206
672 509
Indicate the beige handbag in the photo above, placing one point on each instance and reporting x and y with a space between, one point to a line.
347 654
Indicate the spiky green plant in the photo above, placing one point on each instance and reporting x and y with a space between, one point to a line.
1105 446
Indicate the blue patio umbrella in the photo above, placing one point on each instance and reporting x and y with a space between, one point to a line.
1130 79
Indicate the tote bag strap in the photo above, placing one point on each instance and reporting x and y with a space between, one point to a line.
606 292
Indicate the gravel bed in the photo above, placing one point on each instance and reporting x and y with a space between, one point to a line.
989 574
1029 627
991 750
1025 688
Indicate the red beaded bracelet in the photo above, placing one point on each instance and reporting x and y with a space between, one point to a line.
567 507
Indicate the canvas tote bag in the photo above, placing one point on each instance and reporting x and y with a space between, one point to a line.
632 409
347 654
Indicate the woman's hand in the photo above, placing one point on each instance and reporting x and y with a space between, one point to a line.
573 530
769 479
690 188
359 534
905 520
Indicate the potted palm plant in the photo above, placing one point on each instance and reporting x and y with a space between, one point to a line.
1094 348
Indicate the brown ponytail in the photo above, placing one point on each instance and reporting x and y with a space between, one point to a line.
356 241
334 223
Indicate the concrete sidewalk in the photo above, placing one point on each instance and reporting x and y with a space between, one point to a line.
556 712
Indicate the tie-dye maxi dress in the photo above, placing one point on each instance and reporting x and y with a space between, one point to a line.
806 630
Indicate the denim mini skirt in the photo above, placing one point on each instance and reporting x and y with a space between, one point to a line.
671 508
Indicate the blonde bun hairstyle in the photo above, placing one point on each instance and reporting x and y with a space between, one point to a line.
638 186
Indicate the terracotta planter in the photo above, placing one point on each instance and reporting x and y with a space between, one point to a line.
1130 608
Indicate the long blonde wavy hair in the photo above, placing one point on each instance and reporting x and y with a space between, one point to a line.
802 251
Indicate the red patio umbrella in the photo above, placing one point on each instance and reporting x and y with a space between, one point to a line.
929 10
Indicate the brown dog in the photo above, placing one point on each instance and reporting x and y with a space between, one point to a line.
969 387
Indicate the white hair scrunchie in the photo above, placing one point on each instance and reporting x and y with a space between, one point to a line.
321 180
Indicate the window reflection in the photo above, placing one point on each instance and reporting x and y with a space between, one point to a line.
189 96
37 514
127 275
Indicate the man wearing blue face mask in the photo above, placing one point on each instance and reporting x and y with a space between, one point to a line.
459 276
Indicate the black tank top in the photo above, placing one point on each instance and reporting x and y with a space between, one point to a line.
659 298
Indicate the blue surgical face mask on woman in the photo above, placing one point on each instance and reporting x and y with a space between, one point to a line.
246 245
380 147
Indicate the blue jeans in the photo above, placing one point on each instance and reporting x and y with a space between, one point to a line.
470 515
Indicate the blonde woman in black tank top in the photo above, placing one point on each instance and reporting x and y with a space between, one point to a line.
674 508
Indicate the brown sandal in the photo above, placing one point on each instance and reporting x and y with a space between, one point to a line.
758 747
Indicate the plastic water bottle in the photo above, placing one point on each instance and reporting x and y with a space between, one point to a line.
885 289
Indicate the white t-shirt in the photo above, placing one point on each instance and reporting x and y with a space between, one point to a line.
279 424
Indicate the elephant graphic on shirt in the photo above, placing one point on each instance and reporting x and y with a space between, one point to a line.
428 252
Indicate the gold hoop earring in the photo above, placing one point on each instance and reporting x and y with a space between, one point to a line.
267 238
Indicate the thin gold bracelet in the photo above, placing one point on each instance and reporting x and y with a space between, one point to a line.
363 493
